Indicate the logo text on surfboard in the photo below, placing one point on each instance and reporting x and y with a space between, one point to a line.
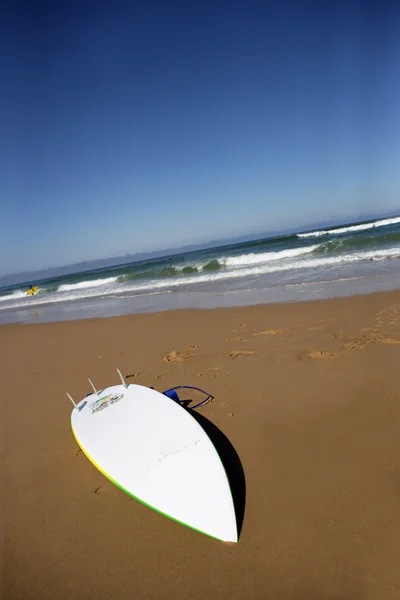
105 402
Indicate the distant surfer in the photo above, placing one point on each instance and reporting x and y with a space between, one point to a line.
31 290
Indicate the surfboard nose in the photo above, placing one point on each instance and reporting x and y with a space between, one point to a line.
155 451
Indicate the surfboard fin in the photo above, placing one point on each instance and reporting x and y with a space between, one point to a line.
71 399
94 389
122 378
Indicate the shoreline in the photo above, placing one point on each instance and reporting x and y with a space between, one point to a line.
104 307
307 394
274 306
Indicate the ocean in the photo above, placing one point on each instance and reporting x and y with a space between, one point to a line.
346 260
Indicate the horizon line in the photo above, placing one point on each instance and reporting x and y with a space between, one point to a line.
191 247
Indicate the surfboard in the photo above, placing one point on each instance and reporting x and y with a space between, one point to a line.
154 450
32 291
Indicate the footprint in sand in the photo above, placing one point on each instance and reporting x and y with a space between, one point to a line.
175 356
237 353
318 354
356 345
387 316
368 336
172 356
237 339
163 374
389 341
372 338
338 335
273 331
216 372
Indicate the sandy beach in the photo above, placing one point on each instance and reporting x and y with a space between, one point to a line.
308 395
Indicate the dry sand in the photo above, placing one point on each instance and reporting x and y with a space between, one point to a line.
308 395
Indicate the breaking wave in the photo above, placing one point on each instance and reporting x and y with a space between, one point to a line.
254 259
310 258
278 261
351 228
90 283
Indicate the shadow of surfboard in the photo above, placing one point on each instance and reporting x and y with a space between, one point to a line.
231 462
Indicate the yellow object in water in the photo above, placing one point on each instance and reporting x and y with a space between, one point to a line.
32 291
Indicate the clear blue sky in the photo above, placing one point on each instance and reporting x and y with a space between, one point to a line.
131 126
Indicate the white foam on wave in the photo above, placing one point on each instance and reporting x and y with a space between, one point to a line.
264 257
14 296
161 286
80 293
351 228
313 234
302 263
69 287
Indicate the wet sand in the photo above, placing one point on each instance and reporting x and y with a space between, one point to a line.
308 394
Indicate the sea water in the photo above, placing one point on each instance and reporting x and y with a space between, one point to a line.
346 260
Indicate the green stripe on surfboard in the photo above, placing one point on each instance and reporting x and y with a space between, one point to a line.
135 497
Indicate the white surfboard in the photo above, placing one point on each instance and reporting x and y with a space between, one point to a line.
153 449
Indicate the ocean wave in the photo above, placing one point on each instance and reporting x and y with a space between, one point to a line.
168 271
313 234
351 228
272 267
260 243
14 295
68 287
212 265
261 264
81 293
264 257
343 245
19 294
